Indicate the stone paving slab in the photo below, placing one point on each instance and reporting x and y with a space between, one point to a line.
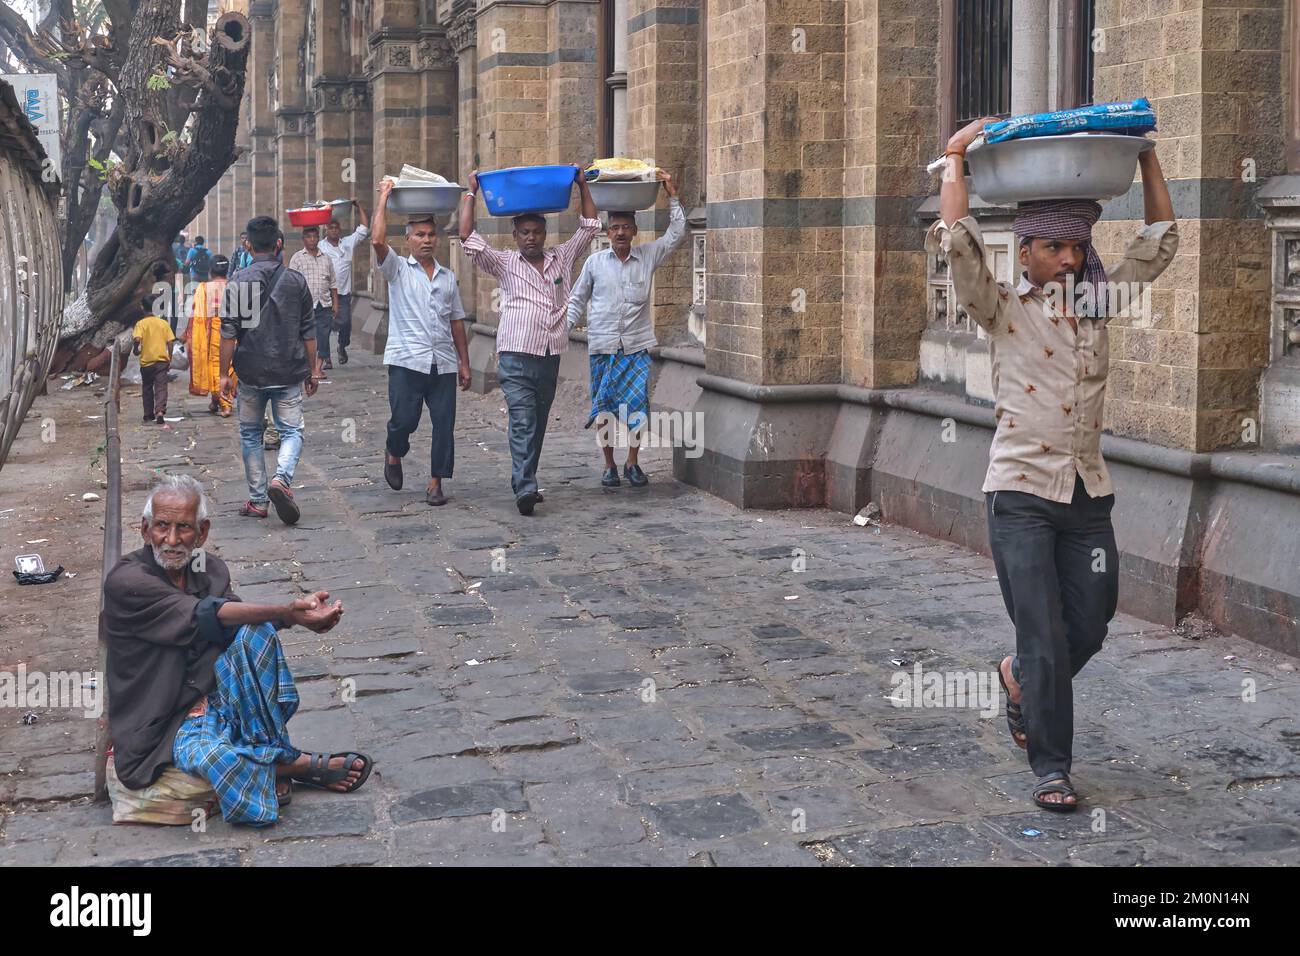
646 678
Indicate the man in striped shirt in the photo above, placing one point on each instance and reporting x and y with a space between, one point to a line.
532 331
318 269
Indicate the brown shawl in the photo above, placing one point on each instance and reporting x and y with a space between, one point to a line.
162 644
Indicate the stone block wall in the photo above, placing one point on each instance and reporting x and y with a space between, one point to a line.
1187 375
663 103
891 86
776 166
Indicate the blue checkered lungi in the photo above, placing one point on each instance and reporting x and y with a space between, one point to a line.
620 386
244 734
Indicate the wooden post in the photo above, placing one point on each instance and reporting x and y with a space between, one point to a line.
112 552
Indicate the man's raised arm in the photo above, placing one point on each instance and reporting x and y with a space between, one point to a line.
465 225
361 214
954 200
676 231
972 281
589 210
379 225
1155 191
588 224
476 248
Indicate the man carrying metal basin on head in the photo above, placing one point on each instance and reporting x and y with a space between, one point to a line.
426 352
613 290
1048 493
533 331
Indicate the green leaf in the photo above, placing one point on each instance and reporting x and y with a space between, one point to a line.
159 81
170 137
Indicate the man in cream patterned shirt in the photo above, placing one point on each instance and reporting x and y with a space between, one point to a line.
1048 494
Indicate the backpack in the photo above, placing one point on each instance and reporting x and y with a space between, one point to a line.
201 265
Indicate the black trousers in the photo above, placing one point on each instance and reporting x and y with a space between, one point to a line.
407 392
1059 571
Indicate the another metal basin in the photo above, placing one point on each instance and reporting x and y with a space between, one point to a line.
624 197
339 209
433 198
1080 166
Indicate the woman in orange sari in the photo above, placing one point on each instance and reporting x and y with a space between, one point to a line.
203 339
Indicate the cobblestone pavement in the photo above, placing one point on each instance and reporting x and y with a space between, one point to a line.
644 677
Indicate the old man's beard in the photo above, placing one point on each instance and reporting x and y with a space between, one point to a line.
171 559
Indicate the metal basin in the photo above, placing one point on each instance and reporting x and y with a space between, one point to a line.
624 197
339 209
433 198
1086 166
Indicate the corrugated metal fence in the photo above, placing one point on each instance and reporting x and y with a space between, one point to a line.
31 268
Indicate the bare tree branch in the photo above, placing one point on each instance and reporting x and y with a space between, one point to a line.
15 32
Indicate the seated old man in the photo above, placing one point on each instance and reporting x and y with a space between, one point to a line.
197 678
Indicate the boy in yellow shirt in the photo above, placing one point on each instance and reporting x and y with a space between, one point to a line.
154 340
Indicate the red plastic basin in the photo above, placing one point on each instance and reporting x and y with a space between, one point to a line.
310 217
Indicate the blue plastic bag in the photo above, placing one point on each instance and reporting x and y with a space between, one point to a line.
1133 118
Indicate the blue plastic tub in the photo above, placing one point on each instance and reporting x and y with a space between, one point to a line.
540 189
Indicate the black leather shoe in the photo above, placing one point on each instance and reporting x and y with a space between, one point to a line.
393 474
343 355
635 476
610 478
525 502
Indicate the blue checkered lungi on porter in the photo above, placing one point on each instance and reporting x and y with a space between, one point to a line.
620 385
244 733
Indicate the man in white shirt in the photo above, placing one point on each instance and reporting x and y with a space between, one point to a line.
614 291
340 249
426 353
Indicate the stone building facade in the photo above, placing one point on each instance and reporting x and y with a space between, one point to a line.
805 323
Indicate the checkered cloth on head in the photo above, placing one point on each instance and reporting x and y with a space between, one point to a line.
1065 219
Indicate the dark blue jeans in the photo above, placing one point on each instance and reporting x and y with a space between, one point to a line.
407 392
1058 567
324 319
344 321
528 382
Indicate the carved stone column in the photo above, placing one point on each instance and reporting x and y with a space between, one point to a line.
263 156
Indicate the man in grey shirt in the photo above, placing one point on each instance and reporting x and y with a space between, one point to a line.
614 291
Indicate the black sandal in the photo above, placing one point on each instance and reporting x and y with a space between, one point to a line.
287 797
320 775
1015 715
1056 782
